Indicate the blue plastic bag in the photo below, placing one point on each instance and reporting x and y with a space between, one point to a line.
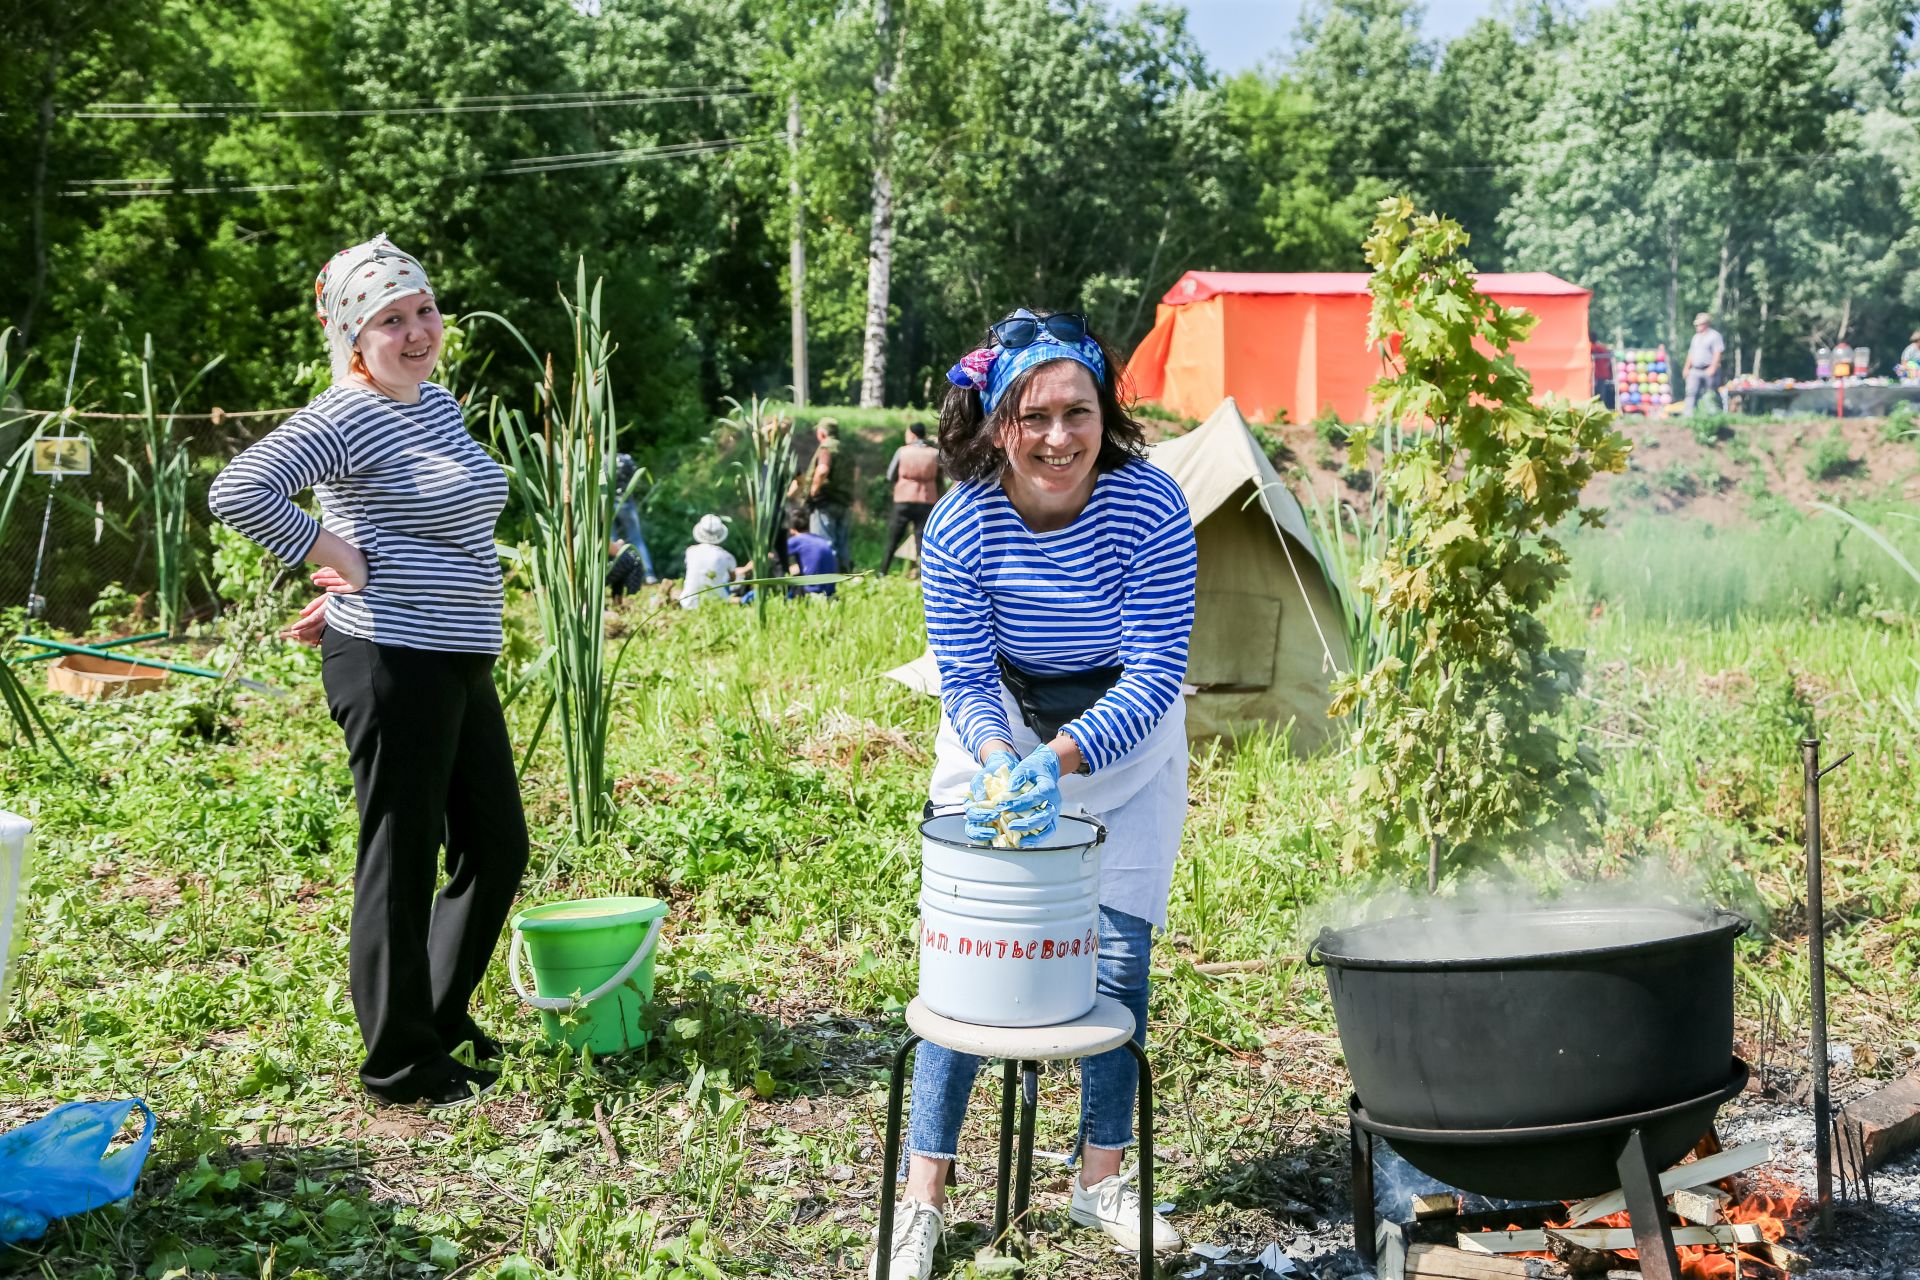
59 1165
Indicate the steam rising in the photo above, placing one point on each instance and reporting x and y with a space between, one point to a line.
1493 919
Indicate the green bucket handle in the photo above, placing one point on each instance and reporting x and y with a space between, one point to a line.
569 1004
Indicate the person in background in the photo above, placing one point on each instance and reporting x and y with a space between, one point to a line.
626 516
1909 368
830 492
1703 359
808 553
710 565
915 476
408 629
1603 388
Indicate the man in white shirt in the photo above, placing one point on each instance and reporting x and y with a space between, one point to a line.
709 565
1703 359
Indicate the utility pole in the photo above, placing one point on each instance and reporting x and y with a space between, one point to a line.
873 361
797 253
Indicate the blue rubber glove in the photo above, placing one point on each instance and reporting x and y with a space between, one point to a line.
980 814
1035 795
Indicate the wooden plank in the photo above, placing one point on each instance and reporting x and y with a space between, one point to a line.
1886 1124
1697 1207
1782 1257
1389 1251
1602 1238
1694 1173
1440 1262
1441 1204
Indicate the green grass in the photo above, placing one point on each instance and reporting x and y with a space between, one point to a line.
187 915
1689 571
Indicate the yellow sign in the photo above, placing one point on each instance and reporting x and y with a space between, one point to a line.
62 456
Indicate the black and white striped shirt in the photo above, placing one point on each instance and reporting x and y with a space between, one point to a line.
407 485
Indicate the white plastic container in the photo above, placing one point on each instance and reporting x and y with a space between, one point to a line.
1009 937
16 839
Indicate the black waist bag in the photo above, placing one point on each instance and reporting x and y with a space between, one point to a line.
1047 702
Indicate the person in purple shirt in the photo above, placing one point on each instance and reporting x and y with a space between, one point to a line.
809 553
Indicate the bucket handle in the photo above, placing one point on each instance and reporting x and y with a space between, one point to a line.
568 1004
1078 815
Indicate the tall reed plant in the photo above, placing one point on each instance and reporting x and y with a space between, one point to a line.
764 475
560 466
157 485
22 713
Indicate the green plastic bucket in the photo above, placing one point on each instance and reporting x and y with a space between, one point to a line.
592 963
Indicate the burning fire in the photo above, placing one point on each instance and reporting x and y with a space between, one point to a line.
1776 1210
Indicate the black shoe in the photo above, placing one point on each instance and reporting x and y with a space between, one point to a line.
450 1084
485 1047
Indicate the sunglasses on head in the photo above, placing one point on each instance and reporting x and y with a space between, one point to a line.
1023 329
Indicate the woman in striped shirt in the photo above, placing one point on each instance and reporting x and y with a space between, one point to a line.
408 627
1059 580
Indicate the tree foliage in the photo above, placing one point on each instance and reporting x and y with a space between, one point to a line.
1754 157
1463 760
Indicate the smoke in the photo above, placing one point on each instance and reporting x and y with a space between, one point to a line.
1495 915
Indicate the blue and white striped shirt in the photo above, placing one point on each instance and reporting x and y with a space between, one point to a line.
407 485
1115 587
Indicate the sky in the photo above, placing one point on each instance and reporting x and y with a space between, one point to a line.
1237 34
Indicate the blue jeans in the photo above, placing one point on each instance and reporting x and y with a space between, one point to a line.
626 527
835 524
943 1079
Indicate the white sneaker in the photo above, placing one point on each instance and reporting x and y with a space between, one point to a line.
1112 1205
917 1227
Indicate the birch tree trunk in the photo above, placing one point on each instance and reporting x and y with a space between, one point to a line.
873 356
797 255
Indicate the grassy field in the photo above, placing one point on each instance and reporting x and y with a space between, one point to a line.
186 942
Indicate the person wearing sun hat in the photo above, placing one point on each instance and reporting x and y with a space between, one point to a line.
710 565
408 627
1058 577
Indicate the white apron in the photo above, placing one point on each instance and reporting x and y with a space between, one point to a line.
1141 798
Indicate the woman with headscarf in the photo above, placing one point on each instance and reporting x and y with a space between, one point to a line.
408 627
1059 585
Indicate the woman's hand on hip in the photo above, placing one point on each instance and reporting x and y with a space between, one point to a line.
311 624
343 566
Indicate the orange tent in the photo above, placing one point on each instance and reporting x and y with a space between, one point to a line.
1296 342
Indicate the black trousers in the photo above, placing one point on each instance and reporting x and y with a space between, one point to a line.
432 765
904 514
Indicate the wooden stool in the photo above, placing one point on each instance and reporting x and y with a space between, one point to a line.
1109 1025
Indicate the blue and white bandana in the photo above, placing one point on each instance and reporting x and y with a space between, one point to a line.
991 370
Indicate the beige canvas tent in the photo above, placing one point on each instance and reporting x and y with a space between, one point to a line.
1265 628
1265 605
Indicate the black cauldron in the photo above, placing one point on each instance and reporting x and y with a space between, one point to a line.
1534 1018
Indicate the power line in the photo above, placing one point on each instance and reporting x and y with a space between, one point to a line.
129 190
1677 162
450 106
595 159
132 188
569 95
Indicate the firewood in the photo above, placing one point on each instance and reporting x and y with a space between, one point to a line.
1697 1207
1695 1173
1441 1204
1580 1260
1883 1125
1500 1242
1440 1262
1390 1251
1781 1256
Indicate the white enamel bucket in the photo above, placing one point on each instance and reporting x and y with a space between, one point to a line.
1009 937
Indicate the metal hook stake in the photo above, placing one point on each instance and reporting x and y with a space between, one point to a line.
1817 960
